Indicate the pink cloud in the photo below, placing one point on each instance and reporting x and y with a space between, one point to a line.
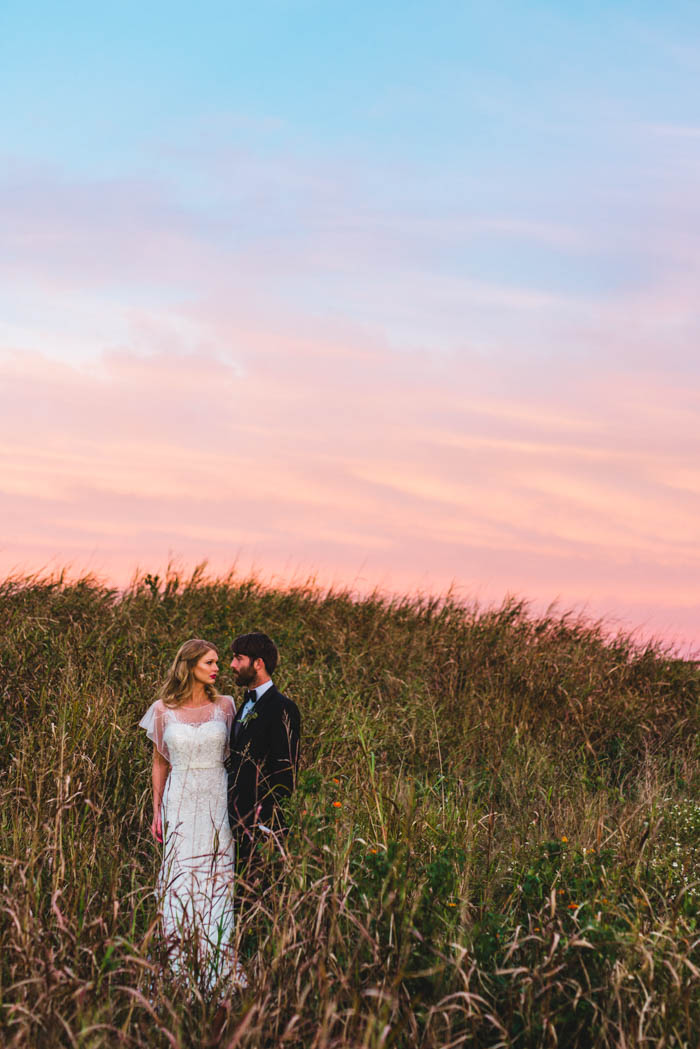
497 433
359 463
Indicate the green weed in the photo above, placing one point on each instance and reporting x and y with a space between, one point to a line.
493 841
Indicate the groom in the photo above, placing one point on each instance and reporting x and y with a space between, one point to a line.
264 745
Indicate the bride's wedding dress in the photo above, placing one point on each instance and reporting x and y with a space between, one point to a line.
196 877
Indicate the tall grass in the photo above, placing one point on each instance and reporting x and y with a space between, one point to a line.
494 841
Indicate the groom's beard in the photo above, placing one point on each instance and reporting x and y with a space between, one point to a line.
245 677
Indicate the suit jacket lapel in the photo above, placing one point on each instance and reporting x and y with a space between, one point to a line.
237 722
262 703
258 711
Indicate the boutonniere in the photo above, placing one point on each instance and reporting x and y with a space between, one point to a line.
249 717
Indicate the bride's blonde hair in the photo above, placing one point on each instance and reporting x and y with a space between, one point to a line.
179 683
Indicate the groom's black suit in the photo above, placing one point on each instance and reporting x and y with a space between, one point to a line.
262 766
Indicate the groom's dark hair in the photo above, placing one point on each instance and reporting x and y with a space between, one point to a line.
257 646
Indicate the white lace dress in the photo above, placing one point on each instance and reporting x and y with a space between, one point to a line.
196 877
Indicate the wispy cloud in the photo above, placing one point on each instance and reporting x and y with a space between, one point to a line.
298 370
336 456
691 131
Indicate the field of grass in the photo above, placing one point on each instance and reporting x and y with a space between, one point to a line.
495 840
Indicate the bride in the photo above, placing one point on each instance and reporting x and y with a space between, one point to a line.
189 725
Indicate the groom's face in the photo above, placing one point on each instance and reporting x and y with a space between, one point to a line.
244 670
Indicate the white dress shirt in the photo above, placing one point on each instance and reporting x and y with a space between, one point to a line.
250 703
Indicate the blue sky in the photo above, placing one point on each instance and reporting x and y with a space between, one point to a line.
92 84
548 147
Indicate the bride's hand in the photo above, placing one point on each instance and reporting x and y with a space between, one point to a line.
157 828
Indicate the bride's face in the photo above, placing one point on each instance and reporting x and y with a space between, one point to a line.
206 670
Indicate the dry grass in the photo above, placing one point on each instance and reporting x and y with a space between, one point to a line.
513 861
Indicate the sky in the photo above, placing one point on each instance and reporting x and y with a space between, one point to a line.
396 296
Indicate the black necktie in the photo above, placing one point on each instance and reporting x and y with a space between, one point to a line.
249 693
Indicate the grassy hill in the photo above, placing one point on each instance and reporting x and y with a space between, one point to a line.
494 843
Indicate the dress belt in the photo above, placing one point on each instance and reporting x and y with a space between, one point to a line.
196 765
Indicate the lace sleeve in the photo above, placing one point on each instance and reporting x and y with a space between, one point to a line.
229 709
153 721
